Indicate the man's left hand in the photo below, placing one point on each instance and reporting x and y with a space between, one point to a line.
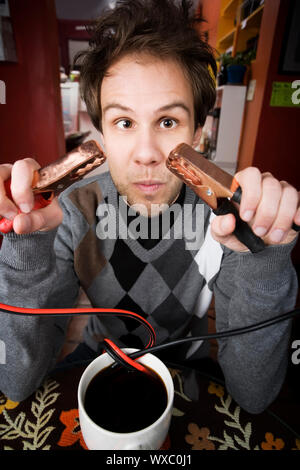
269 206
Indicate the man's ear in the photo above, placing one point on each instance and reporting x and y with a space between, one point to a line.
197 135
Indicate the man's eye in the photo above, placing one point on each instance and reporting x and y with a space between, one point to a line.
124 124
168 123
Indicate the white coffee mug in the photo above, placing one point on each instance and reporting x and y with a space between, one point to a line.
149 438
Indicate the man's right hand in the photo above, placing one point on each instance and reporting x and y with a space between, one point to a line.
29 220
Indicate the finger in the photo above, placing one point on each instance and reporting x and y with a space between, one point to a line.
268 206
223 226
21 181
250 182
297 215
39 220
285 215
7 207
5 171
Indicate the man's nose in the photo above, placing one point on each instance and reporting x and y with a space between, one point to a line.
147 150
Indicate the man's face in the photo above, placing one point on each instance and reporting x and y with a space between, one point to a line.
147 109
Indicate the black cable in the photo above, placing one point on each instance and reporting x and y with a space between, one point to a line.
221 334
118 359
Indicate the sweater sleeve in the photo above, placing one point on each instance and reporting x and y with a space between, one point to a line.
251 288
36 271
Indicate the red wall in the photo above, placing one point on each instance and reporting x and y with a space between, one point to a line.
277 143
31 119
211 13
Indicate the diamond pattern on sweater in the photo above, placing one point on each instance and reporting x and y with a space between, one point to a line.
137 292
170 314
127 303
184 290
122 261
106 287
167 265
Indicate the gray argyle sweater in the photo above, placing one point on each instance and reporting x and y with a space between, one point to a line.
171 284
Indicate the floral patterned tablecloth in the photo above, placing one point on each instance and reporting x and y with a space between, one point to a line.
205 417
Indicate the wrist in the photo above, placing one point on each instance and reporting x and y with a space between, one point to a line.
29 251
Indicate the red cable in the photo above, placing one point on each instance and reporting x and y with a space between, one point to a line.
124 356
66 311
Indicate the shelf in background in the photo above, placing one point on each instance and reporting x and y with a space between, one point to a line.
233 31
227 39
230 8
249 28
254 18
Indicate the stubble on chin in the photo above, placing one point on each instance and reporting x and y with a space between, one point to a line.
149 206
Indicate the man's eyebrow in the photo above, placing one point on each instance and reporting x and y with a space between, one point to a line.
116 106
175 104
167 107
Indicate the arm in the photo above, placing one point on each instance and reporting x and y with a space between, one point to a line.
36 271
251 288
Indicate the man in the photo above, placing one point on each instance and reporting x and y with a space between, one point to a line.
147 81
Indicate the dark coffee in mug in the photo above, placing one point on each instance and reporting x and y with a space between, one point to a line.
124 401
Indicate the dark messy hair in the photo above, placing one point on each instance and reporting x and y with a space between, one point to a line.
161 28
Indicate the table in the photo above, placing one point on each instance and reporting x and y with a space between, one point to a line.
205 417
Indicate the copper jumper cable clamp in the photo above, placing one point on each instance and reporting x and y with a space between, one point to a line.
47 183
215 187
54 178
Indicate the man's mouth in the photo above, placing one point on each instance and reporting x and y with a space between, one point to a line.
149 186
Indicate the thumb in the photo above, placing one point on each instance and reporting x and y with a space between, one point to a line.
222 227
39 220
